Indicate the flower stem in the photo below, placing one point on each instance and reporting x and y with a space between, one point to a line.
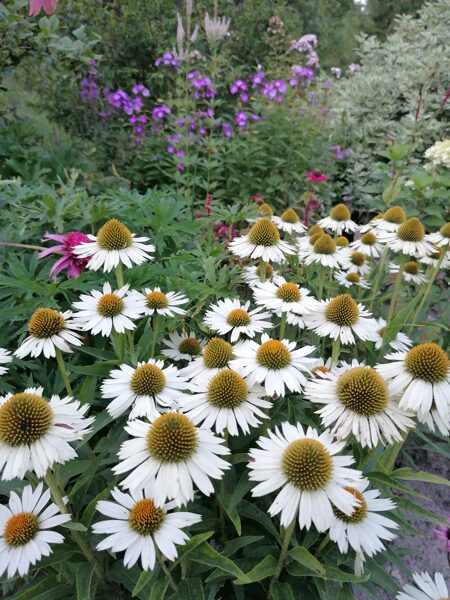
262 271
282 325
119 275
323 544
155 328
380 273
63 371
394 296
288 532
320 283
168 574
335 351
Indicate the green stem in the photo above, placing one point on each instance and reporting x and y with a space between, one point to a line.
168 574
398 283
119 275
320 283
262 271
282 325
288 532
118 340
76 535
63 371
335 351
380 273
155 328
323 544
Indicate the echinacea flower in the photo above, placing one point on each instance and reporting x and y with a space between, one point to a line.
289 222
252 275
262 241
351 279
441 237
26 524
390 220
160 303
175 453
107 311
355 262
411 272
425 589
5 358
368 244
283 297
317 176
184 346
216 355
277 364
49 330
342 318
35 7
401 342
408 239
421 377
436 257
35 432
69 259
145 387
339 220
230 316
311 476
320 249
226 401
114 244
140 526
356 401
365 529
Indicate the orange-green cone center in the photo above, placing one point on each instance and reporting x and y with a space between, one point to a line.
217 353
324 245
110 305
363 391
145 518
273 355
264 233
411 230
172 438
190 346
227 390
20 529
156 300
428 362
24 419
290 216
238 317
45 323
340 213
289 292
114 236
359 513
307 464
147 380
342 311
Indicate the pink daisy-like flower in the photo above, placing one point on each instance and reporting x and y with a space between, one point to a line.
69 260
317 176
36 6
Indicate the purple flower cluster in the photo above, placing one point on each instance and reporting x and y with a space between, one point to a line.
160 111
340 154
167 60
307 44
336 71
301 75
132 106
274 91
240 87
89 87
202 86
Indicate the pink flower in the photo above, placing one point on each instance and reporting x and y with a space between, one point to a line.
317 176
74 265
443 533
49 7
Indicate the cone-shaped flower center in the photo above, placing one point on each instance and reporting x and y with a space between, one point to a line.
45 323
190 346
353 277
369 239
145 518
156 300
24 418
357 258
269 271
315 229
320 369
411 267
289 292
110 305
307 464
342 241
274 355
363 391
445 230
238 317
290 216
411 230
217 353
265 210
325 245
395 215
227 389
428 362
342 311
172 438
264 233
147 380
114 236
20 529
314 237
340 213
359 513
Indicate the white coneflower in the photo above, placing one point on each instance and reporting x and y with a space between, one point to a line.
306 242
310 474
283 297
441 237
184 346
425 588
357 402
342 318
165 304
216 28
5 358
252 275
144 387
351 279
391 219
355 262
433 259
371 225
289 222
421 377
26 525
276 363
49 329
230 316
408 239
107 311
226 402
400 343
368 244
262 241
365 529
140 526
114 244
216 355
410 273
175 453
35 433
322 249
339 220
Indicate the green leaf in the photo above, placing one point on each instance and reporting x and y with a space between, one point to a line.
408 474
206 555
251 511
423 513
45 589
266 568
144 579
190 589
384 479
281 591
233 546
83 579
191 545
74 526
99 368
305 558
336 574
159 589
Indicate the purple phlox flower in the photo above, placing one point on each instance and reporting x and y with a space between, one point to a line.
306 43
139 88
171 149
305 73
336 71
313 60
203 86
180 166
241 119
442 533
293 82
180 153
237 86
167 60
257 79
227 130
67 242
354 69
160 111
255 117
